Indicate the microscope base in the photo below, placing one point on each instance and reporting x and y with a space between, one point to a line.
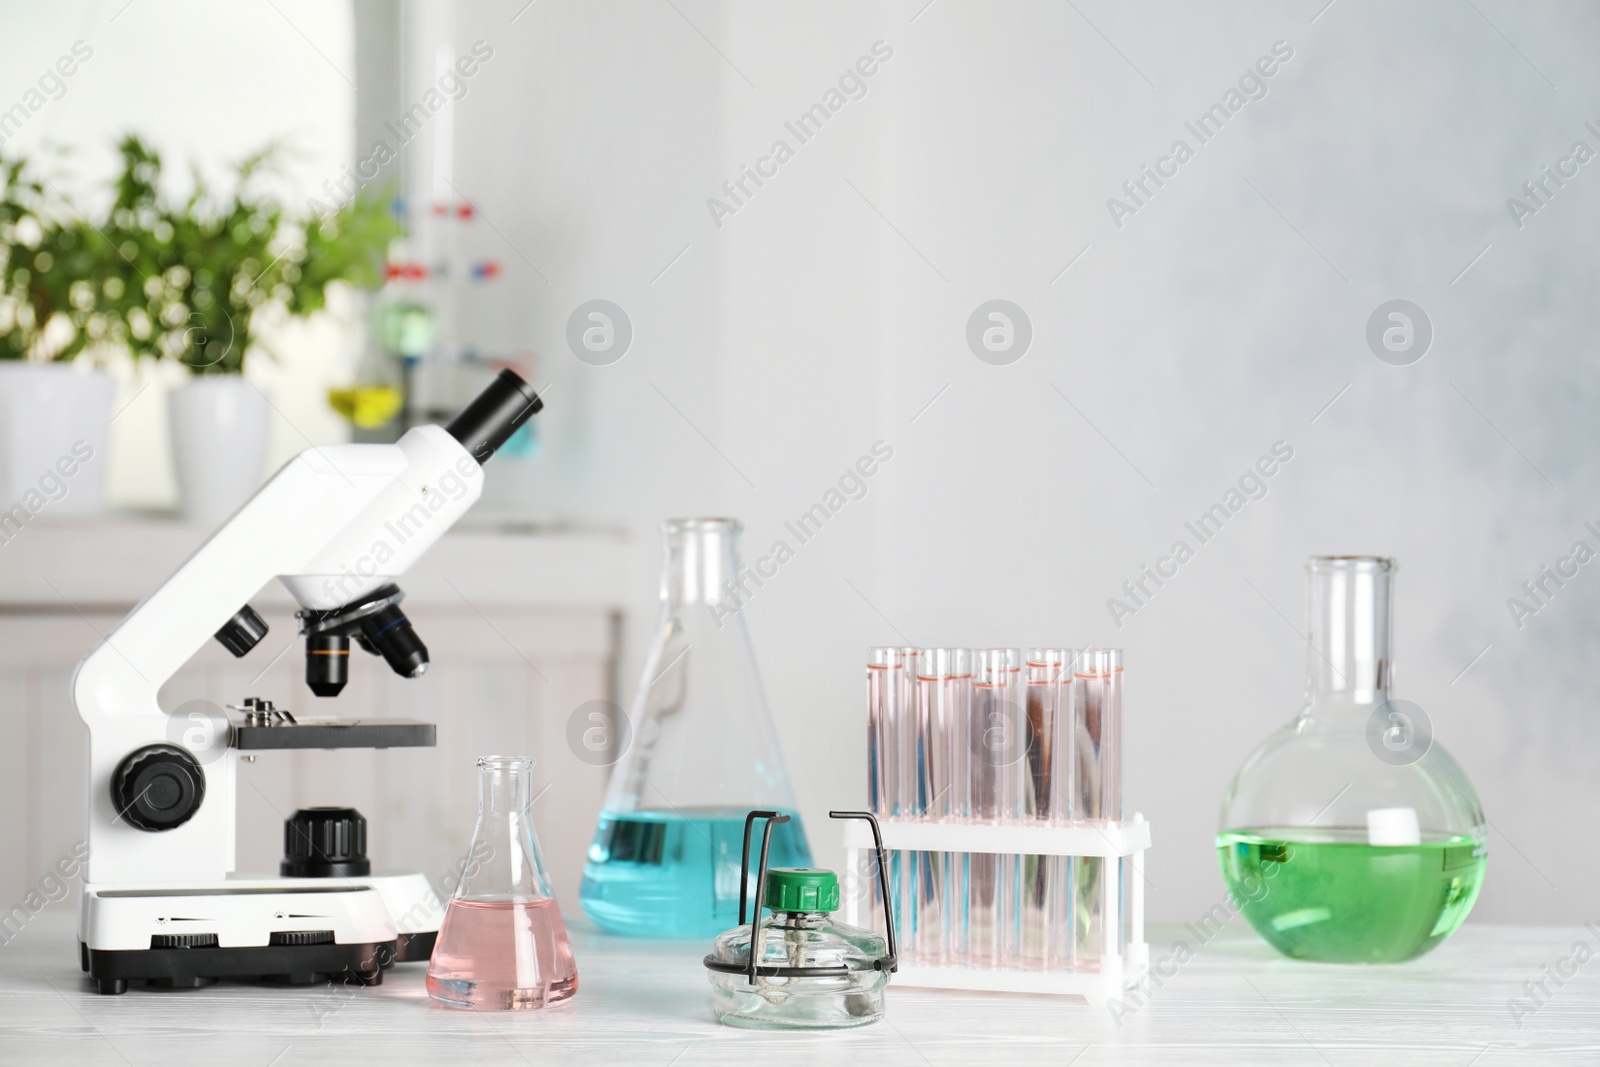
177 968
286 931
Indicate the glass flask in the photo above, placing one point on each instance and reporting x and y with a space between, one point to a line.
666 852
800 933
503 946
1350 835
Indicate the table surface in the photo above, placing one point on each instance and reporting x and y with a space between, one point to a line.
642 1002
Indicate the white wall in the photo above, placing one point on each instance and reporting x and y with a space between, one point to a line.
1215 322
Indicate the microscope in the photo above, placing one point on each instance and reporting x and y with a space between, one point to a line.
337 525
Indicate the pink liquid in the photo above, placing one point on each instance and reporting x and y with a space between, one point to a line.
502 956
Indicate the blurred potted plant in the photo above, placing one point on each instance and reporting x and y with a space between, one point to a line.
200 274
55 407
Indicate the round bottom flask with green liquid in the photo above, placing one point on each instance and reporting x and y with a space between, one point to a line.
1351 835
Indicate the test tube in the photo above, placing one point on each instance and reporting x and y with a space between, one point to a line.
882 663
997 768
883 737
903 864
1062 920
1111 736
886 692
944 696
1111 774
1046 939
907 804
1097 796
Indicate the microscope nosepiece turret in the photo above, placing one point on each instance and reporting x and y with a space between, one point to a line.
376 623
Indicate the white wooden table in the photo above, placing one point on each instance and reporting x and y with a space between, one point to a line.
645 1003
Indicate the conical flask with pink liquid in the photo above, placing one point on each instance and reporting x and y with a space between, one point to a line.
503 946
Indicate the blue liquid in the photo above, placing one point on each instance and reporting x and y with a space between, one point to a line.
676 874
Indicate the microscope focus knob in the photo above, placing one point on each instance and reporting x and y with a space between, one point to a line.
242 632
158 787
325 843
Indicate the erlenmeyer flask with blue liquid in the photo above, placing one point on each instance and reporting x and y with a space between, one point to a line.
666 854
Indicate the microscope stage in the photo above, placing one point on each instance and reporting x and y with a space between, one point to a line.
336 733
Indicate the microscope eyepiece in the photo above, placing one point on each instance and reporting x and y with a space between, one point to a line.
376 623
494 415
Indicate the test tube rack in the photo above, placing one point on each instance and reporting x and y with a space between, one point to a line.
1119 969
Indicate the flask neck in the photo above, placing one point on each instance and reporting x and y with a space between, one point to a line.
503 862
505 789
702 562
1350 657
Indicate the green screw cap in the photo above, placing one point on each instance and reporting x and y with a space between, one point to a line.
801 889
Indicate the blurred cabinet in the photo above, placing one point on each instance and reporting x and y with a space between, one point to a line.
521 629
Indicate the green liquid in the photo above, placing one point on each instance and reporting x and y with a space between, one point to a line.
1341 900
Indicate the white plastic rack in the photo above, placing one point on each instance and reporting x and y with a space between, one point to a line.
1118 969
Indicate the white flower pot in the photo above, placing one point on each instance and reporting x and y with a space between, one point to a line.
53 425
219 444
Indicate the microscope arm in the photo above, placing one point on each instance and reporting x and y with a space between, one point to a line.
316 524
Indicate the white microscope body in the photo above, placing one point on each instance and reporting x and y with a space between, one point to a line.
336 525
